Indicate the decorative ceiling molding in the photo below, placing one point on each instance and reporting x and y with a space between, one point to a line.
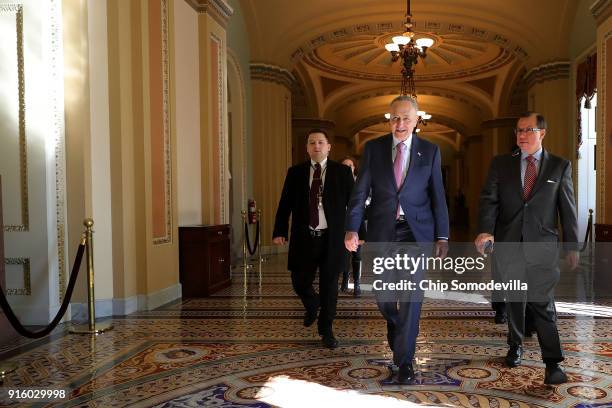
504 57
272 73
547 72
465 100
435 27
331 85
486 85
601 10
220 10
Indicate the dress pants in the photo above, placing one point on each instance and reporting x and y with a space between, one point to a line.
403 314
302 278
539 303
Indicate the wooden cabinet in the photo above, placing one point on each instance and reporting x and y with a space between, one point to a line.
6 330
204 259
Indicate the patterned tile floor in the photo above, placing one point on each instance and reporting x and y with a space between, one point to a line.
246 346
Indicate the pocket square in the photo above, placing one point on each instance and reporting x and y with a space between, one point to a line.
550 181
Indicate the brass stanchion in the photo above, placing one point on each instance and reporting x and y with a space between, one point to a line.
245 258
91 327
6 369
260 258
261 234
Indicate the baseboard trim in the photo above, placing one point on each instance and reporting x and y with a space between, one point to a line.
35 316
126 306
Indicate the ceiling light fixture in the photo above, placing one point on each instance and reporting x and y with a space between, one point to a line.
409 50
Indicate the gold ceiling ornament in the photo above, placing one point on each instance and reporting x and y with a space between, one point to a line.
409 49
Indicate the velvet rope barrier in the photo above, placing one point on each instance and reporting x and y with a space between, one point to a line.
12 318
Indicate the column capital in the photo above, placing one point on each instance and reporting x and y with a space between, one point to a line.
272 73
220 10
601 10
547 72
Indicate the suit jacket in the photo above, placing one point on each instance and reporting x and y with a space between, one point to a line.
294 201
505 215
421 194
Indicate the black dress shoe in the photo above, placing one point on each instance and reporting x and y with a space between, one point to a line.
500 318
329 341
513 358
405 374
344 285
310 318
357 290
554 375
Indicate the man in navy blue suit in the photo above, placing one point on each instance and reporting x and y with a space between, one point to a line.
402 172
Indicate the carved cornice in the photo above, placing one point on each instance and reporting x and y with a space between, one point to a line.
499 123
601 10
547 72
217 9
272 73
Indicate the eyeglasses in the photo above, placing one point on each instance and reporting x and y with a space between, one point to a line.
526 130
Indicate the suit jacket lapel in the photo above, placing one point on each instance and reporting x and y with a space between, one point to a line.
305 179
387 157
516 173
541 176
414 150
328 180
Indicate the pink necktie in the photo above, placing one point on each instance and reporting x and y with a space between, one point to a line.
530 177
397 168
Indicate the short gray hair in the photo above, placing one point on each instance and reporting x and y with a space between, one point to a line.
406 98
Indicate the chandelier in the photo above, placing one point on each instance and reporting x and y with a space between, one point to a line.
409 50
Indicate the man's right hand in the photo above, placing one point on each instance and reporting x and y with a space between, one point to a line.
351 241
279 240
481 240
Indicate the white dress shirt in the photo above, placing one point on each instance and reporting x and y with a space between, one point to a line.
322 219
405 158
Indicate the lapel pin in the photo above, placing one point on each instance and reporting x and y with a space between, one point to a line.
419 153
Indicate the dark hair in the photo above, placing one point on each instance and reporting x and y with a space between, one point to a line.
540 121
351 158
316 130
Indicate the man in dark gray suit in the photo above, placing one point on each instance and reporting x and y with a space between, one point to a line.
402 172
522 201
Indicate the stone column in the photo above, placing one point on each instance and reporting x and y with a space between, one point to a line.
271 95
548 93
602 11
213 16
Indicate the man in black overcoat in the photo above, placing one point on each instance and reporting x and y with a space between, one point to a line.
315 195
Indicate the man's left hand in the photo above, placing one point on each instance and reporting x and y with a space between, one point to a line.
441 248
572 258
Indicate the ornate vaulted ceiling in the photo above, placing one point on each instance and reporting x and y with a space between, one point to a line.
472 73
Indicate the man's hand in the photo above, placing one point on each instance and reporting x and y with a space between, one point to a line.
279 240
351 241
572 258
441 249
481 240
